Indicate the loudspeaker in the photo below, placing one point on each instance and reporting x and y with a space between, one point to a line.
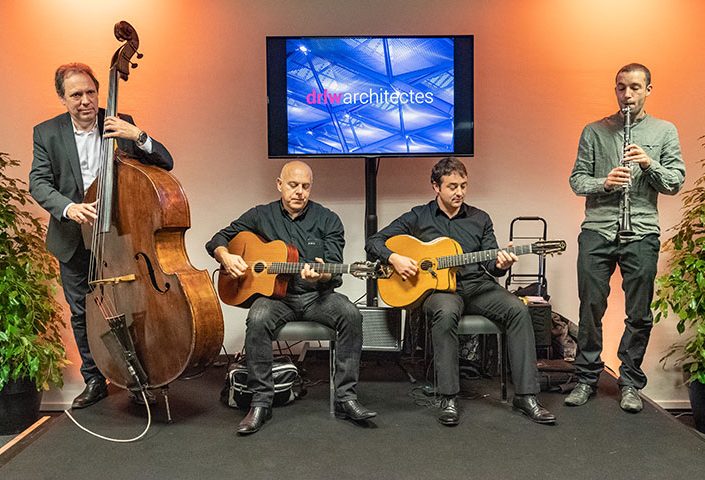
381 329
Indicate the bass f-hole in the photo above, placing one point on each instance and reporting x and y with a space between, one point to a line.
150 271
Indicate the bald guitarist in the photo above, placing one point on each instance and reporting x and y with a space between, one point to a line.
317 233
477 291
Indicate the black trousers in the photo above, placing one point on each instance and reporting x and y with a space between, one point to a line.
483 297
74 279
267 316
597 260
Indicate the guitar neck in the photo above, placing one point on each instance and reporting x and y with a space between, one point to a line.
451 261
277 268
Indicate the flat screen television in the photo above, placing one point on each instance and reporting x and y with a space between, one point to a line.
370 96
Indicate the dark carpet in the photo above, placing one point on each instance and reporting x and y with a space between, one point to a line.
302 441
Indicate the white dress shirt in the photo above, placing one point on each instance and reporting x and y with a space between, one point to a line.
89 146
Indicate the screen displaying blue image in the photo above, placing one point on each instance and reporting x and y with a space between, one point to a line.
360 96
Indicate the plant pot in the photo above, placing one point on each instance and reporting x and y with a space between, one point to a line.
696 391
19 406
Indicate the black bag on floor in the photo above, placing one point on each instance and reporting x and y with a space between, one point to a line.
288 385
564 346
556 375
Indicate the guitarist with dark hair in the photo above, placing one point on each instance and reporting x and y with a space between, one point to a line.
317 234
476 292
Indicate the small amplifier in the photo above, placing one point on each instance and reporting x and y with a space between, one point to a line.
381 329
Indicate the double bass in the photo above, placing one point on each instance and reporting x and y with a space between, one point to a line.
151 317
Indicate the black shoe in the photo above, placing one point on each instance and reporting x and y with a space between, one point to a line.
580 395
450 415
530 406
254 420
137 399
630 401
95 390
353 410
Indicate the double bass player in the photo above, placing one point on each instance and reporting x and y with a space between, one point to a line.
67 151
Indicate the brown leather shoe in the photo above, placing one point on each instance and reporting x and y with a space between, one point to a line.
530 406
95 390
254 420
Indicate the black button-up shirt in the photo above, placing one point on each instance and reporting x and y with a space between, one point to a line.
471 228
315 232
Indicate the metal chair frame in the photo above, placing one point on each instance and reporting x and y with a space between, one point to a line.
481 325
312 331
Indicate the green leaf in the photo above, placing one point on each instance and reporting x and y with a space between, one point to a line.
681 288
31 320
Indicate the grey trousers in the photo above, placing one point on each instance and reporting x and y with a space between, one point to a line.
268 315
74 280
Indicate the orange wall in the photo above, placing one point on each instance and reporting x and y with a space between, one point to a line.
543 69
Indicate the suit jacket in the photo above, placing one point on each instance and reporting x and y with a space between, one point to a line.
55 179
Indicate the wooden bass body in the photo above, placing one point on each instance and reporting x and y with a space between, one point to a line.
171 308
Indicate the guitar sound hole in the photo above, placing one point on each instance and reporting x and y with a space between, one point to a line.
259 267
426 265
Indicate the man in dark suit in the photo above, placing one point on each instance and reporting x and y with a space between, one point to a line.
67 150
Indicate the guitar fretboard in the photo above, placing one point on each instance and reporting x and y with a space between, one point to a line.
481 256
277 268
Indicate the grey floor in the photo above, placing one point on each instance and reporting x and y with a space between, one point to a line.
404 441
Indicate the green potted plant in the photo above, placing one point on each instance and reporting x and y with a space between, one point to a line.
681 290
32 353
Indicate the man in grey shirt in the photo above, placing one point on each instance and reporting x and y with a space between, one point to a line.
656 167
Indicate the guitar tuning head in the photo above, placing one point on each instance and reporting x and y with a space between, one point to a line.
140 55
134 65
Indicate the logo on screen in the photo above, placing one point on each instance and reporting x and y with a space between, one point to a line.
360 94
369 97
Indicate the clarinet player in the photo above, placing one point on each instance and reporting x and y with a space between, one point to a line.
611 173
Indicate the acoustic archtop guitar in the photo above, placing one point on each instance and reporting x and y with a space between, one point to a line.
438 260
270 265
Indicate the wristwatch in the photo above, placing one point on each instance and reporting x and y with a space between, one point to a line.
142 139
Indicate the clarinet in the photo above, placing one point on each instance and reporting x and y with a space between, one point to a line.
625 214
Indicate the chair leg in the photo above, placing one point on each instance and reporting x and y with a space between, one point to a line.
426 356
503 361
331 360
